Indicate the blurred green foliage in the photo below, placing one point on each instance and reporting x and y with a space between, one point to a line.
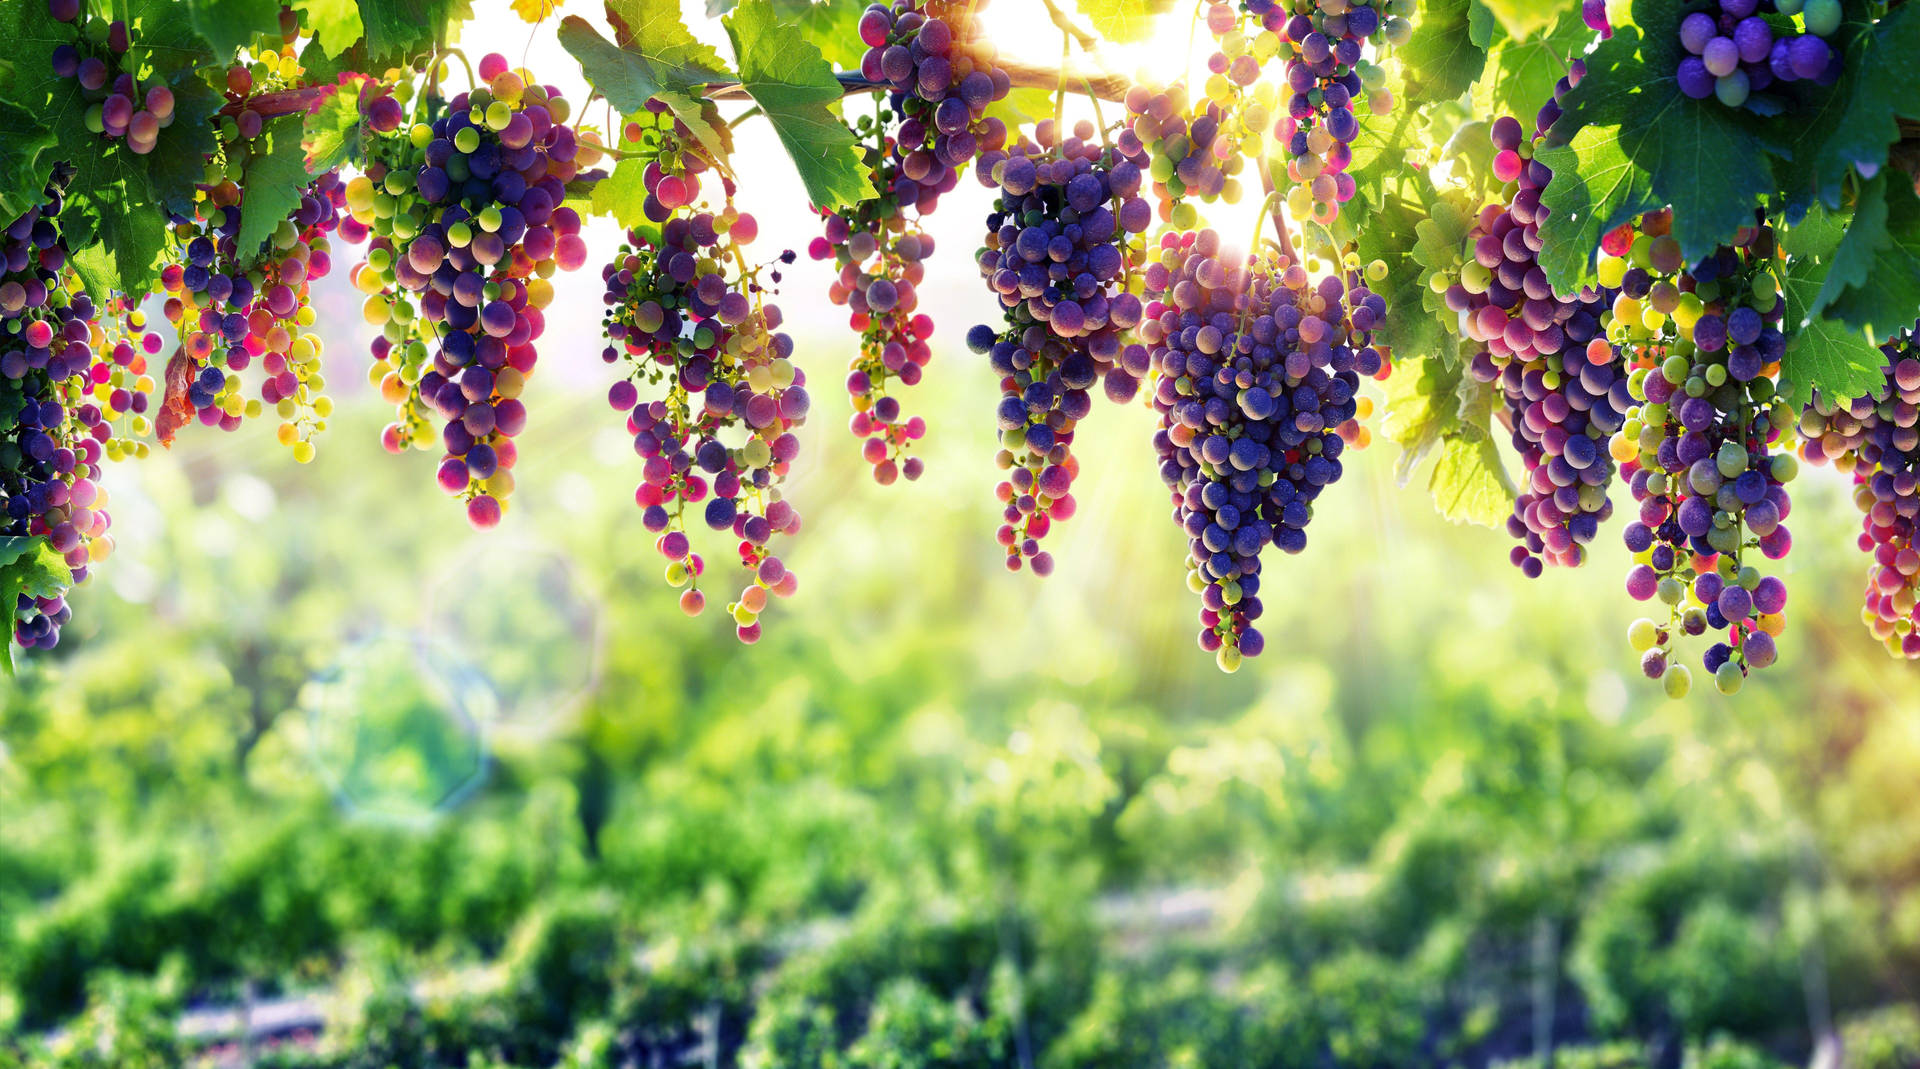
940 816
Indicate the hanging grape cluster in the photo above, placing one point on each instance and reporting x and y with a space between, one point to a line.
1699 447
233 306
878 251
468 222
1876 440
51 427
1562 386
689 323
1328 71
1059 248
1256 374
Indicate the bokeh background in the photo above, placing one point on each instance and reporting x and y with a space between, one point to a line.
315 755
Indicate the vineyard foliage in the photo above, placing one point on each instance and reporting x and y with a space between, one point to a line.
1704 247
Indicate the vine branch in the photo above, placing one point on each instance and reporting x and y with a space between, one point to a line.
1102 85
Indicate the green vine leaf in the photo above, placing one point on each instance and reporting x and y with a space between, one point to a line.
654 56
276 178
1122 21
1432 404
398 30
1631 141
1520 74
230 25
24 166
1441 60
1873 281
335 132
796 89
1857 121
1523 18
623 193
1822 354
832 25
335 24
28 565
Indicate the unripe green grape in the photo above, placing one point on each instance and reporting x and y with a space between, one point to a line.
1677 681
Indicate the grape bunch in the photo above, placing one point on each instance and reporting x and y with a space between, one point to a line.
879 253
1199 148
1327 72
943 76
1059 247
467 224
1698 446
1256 374
1737 51
1563 387
689 320
119 107
51 427
233 306
1876 439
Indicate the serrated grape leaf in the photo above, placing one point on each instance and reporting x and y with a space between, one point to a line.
1818 234
535 11
276 177
1520 75
28 565
1874 281
1431 404
1410 215
230 25
653 27
1822 354
1481 25
1523 18
24 163
1470 483
656 68
1122 21
1022 106
1857 120
397 30
623 193
335 132
832 25
1441 59
334 24
795 87
124 252
1630 141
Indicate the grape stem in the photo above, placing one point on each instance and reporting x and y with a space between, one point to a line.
1088 42
1279 218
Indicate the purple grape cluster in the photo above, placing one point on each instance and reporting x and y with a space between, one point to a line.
1256 371
51 428
1736 51
1563 387
1327 71
944 75
1701 465
1057 255
880 254
685 322
118 108
233 306
1876 439
486 182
